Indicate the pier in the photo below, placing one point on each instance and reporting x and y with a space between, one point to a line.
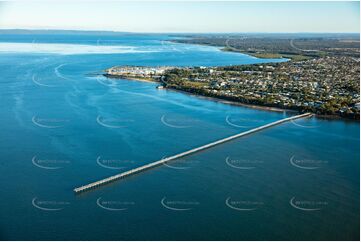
192 151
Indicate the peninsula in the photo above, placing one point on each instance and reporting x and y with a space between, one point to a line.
324 86
322 75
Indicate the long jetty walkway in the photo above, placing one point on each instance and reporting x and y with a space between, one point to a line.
165 160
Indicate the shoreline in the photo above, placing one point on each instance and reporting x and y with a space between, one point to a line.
215 99
233 103
262 108
261 56
224 49
139 79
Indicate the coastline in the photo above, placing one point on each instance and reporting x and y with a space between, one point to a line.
139 79
262 108
233 103
228 102
276 56
215 99
228 49
224 49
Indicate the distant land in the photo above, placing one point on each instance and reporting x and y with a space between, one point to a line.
322 75
293 46
60 32
183 35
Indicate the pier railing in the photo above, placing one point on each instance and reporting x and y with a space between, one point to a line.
165 160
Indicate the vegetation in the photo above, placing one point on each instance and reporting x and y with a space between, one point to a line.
322 75
294 47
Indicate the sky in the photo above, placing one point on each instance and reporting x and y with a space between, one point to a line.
184 17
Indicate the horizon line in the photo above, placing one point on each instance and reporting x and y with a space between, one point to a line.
178 32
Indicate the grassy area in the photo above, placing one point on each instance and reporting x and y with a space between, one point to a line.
266 55
297 57
194 84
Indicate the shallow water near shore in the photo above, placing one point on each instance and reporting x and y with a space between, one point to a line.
62 128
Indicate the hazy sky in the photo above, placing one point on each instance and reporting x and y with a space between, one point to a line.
188 16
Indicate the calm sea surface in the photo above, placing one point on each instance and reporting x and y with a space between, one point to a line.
62 126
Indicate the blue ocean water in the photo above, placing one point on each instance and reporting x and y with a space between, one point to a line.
63 126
